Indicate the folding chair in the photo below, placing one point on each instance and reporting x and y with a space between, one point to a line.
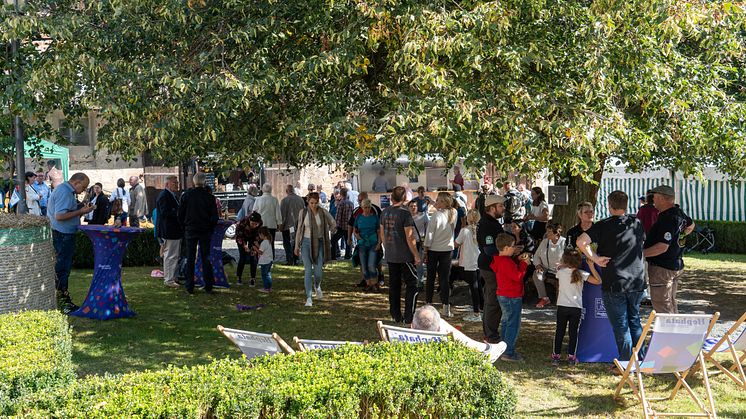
402 334
254 344
305 345
675 346
731 343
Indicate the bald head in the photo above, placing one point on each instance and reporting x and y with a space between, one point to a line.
79 181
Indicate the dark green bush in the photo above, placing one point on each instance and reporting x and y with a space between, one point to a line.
35 354
730 236
380 380
142 251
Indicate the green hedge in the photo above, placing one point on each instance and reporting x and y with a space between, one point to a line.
142 251
35 354
730 237
379 380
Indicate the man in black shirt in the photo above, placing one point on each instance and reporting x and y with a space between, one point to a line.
663 251
620 239
198 216
488 228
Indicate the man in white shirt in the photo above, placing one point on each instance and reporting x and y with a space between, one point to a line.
352 195
269 208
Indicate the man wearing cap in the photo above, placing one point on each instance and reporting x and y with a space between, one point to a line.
647 214
662 250
488 228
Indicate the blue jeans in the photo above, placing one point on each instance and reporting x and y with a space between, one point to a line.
368 261
510 323
312 270
267 275
64 247
623 311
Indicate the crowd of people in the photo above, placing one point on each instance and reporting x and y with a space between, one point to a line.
498 244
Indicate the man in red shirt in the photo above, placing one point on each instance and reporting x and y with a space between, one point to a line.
509 273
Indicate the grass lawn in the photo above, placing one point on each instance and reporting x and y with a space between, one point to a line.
174 328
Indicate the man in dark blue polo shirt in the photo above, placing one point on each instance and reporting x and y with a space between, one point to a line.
663 252
64 214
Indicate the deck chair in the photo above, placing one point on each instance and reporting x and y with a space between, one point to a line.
733 344
254 344
305 345
675 346
402 334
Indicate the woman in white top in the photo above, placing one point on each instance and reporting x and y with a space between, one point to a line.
120 193
546 260
438 250
467 260
539 213
313 243
32 196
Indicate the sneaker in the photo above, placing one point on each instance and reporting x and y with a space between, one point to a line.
265 290
543 302
572 359
252 282
65 304
493 351
514 358
447 310
555 359
476 317
309 302
171 284
239 282
319 294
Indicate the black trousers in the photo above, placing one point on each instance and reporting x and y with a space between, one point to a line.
476 288
243 257
204 251
492 313
272 233
406 273
340 234
288 243
567 316
438 263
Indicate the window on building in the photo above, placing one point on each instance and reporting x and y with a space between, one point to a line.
76 135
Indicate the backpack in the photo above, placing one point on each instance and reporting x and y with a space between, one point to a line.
515 205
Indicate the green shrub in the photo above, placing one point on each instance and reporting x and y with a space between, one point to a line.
142 251
35 354
730 236
379 380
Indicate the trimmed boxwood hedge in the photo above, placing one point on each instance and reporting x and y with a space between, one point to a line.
730 236
35 354
379 380
142 251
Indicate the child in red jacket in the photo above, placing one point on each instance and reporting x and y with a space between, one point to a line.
509 272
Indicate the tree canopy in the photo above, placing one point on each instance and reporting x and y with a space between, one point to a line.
525 85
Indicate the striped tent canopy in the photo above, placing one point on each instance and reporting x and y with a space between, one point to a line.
716 197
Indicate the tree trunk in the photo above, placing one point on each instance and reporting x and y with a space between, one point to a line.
578 191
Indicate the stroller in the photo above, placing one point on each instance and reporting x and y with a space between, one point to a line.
701 239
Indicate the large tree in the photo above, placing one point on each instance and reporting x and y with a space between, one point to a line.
524 85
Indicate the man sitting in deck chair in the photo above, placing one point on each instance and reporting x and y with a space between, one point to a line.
733 343
427 318
675 346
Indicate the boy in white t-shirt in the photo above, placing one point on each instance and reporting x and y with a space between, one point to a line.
265 258
570 303
467 259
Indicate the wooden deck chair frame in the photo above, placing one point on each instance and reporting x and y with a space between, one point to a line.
303 348
284 347
638 388
735 372
385 337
